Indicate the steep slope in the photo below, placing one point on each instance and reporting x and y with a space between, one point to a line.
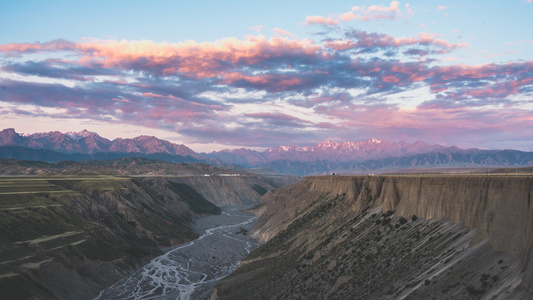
228 190
68 237
384 237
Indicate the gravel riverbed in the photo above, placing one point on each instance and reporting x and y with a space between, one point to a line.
189 271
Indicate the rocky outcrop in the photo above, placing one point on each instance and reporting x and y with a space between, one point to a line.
390 237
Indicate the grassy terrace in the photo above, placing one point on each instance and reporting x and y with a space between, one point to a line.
31 192
34 226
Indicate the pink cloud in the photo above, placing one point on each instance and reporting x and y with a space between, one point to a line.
373 12
365 39
390 78
500 54
274 82
282 32
198 60
409 9
257 28
320 20
431 123
339 44
20 48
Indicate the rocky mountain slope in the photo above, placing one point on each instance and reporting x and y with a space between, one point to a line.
86 142
324 151
386 237
69 236
370 156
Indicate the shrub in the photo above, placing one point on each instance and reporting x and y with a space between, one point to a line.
414 218
473 291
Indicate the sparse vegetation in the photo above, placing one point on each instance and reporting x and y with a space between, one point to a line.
473 291
371 248
242 231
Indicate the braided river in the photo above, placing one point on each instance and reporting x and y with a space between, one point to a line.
190 271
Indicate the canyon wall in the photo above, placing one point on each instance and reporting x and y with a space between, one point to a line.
382 227
228 190
498 207
68 237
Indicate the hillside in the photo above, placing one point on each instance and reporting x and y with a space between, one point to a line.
69 236
391 237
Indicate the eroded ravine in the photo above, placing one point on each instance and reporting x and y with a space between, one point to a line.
189 271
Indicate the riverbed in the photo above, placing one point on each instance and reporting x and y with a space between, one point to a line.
189 271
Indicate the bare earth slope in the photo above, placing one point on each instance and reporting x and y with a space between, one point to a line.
385 237
68 237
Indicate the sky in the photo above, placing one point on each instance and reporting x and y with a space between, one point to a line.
258 74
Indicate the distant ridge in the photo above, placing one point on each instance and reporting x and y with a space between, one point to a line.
86 142
23 153
348 157
326 151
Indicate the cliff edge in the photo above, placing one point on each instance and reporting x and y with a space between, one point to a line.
416 237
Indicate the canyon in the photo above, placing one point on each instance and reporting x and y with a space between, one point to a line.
70 236
391 237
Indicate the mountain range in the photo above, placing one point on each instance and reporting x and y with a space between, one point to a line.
371 155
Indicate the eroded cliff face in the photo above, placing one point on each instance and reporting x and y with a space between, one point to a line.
228 190
484 237
498 207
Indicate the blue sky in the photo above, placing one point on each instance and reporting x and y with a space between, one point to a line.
257 74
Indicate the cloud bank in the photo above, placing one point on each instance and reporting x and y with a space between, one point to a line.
262 92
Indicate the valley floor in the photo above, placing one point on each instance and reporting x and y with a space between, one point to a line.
190 271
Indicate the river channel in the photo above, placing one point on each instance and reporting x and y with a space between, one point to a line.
189 271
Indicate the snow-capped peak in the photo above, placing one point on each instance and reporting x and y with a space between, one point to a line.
76 136
374 141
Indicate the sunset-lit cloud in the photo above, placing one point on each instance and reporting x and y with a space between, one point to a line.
277 87
365 39
282 32
373 12
320 20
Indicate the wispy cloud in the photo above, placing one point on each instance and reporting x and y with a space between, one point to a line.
281 32
373 12
310 20
257 28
